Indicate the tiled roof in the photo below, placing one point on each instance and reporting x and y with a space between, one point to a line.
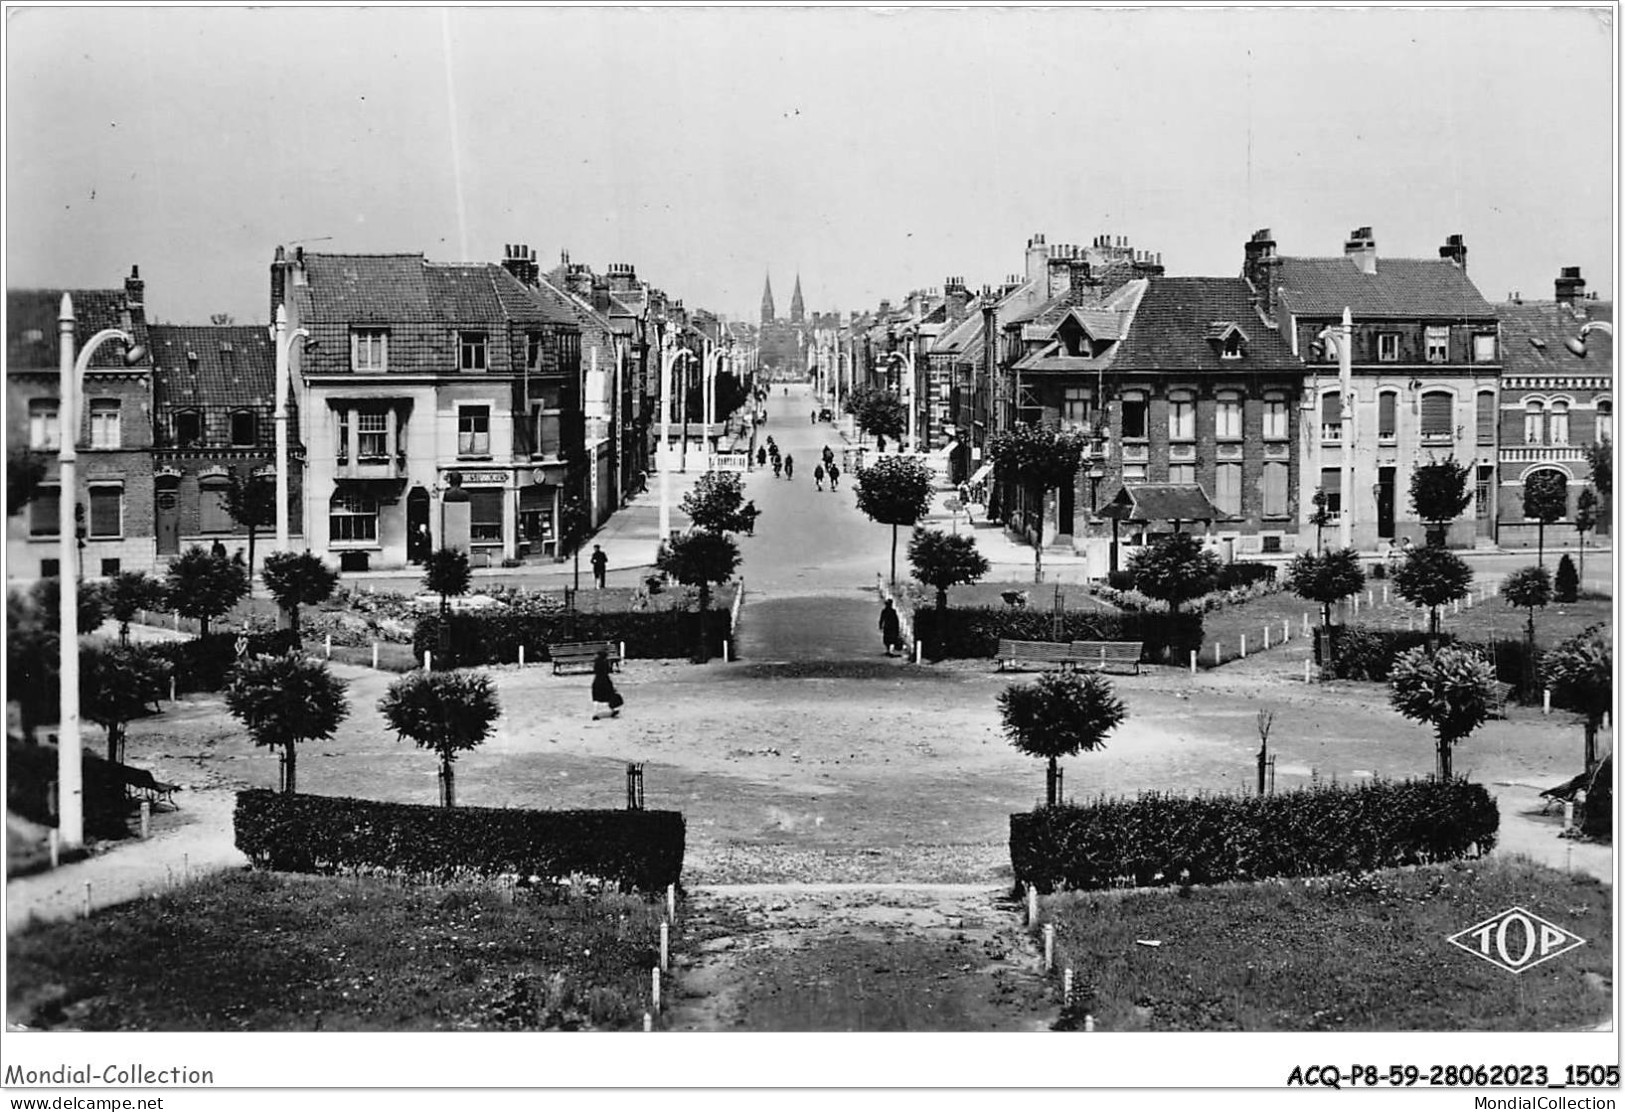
31 327
379 289
965 336
1532 335
1163 502
236 366
1399 288
1169 330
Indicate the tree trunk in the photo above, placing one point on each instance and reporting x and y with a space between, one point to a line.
293 621
252 533
1580 585
1540 542
202 628
290 756
1326 668
894 559
1592 724
942 619
1444 758
703 652
1038 543
124 633
1433 629
1049 783
114 739
448 784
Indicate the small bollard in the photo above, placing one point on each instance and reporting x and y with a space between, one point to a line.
177 617
671 901
1088 1023
428 660
1266 637
1066 987
1306 623
1385 594
1215 654
186 868
1306 672
56 846
1049 947
146 819
327 646
87 899
919 653
724 651
623 650
654 981
1370 598
375 656
521 656
1244 646
172 689
1032 906
665 944
1568 814
1455 606
1193 662
1546 701
1356 599
1286 630
648 1022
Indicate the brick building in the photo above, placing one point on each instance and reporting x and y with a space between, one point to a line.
114 476
1554 404
214 397
416 370
1426 356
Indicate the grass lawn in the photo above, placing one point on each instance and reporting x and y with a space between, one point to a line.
1334 954
264 952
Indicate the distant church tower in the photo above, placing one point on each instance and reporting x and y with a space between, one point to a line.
767 300
797 310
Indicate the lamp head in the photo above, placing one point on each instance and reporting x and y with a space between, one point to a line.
1576 345
133 353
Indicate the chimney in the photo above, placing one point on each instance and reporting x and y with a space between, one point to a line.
1080 282
1262 268
1059 273
1037 259
600 294
300 276
1361 246
520 261
279 279
885 306
135 292
1454 250
578 280
623 278
956 297
1570 286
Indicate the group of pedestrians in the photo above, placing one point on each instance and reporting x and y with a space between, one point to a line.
783 464
827 470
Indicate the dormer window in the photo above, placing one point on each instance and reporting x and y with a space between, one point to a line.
1076 341
369 350
244 429
188 428
1231 340
471 351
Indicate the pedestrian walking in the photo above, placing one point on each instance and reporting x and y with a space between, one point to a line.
217 550
834 474
600 565
789 466
891 628
761 457
750 513
818 476
778 465
603 689
814 417
880 443
829 456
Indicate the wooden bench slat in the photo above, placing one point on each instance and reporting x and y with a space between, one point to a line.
1039 652
584 652
1104 655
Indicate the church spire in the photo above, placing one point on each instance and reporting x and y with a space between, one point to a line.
797 310
768 315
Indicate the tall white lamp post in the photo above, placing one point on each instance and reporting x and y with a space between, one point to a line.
70 779
1345 385
283 340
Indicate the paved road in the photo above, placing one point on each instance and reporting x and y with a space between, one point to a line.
811 569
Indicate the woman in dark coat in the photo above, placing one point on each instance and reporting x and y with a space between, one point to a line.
891 628
603 688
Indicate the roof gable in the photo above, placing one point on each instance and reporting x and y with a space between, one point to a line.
1399 288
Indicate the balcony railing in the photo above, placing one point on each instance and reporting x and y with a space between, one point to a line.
1553 454
372 467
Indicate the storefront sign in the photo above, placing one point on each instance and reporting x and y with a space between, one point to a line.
485 476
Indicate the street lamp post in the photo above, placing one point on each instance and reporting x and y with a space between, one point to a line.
283 340
70 777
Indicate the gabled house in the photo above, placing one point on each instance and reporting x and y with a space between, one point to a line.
419 376
1554 404
1426 369
114 438
213 416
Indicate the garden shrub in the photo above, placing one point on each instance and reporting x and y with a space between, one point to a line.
1243 575
1566 584
975 631
1121 580
329 834
32 769
205 663
494 636
1159 839
1367 653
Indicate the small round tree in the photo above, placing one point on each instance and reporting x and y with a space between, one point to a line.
1327 578
285 700
1580 672
118 683
1060 715
717 503
699 559
1545 500
944 560
447 712
1174 569
1566 581
1452 690
298 578
1526 589
895 490
1432 577
1440 490
129 593
204 586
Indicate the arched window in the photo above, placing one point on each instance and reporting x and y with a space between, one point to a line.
1387 416
1438 421
1557 423
1605 420
1534 422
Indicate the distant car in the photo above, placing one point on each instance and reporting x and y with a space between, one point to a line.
826 414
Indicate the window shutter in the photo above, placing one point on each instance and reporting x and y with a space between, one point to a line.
1436 413
1387 405
105 504
1486 418
1331 411
1275 475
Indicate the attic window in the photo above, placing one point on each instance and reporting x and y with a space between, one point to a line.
1537 343
1232 346
188 428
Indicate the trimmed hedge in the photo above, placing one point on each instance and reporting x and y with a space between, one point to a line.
1160 840
1243 575
971 632
494 636
205 663
329 834
32 769
1362 652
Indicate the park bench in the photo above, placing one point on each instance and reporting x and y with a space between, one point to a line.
1105 656
583 653
1033 652
139 784
1503 692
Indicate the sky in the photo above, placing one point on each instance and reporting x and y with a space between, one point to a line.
872 151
